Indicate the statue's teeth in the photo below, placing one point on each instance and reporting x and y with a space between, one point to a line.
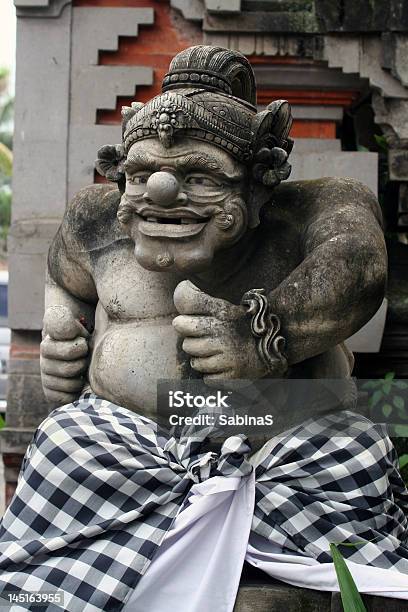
152 219
186 221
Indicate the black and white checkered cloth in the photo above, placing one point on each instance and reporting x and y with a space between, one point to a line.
100 486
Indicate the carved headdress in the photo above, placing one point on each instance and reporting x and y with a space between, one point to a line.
209 94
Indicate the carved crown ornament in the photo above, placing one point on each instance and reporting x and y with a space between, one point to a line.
195 105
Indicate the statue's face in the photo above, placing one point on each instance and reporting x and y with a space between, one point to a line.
186 203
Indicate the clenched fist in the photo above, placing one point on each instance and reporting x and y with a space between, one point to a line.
63 355
217 336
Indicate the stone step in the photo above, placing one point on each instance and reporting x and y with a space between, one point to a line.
258 593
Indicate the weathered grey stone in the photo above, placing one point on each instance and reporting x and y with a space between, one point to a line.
190 9
317 145
358 15
318 16
316 113
399 64
16 440
96 87
223 6
398 164
358 165
403 204
245 21
295 76
289 16
32 3
40 8
28 245
40 150
390 115
364 57
259 593
319 113
343 50
42 74
255 43
27 404
372 604
100 29
191 204
276 597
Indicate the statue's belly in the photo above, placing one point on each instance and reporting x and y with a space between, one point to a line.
129 358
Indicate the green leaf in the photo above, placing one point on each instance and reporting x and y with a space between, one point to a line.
350 597
2 422
376 397
389 376
381 142
387 387
6 160
400 384
402 414
401 431
398 401
386 410
352 544
403 461
372 384
6 111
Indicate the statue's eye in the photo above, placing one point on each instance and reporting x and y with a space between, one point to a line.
199 179
138 179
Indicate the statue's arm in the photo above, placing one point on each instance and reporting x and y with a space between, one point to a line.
69 281
70 301
341 281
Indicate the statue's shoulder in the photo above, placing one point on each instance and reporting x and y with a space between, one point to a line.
301 199
92 203
91 215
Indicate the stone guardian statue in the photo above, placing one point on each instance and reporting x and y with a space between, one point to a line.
197 260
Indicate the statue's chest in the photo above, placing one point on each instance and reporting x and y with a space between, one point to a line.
128 291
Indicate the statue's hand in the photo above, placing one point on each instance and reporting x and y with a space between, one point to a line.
63 355
217 336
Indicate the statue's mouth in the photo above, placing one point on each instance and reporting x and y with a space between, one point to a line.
174 223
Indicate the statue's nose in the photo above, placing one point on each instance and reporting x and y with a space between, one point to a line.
162 188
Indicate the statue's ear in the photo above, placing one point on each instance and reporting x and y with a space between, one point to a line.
271 144
111 158
271 149
110 164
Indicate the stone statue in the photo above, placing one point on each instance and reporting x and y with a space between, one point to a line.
199 262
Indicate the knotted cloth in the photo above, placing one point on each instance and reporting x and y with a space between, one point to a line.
100 486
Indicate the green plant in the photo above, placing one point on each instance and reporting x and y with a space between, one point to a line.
6 156
5 211
403 461
384 396
350 597
6 160
381 142
387 401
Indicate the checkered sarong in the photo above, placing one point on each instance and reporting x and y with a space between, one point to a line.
100 486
